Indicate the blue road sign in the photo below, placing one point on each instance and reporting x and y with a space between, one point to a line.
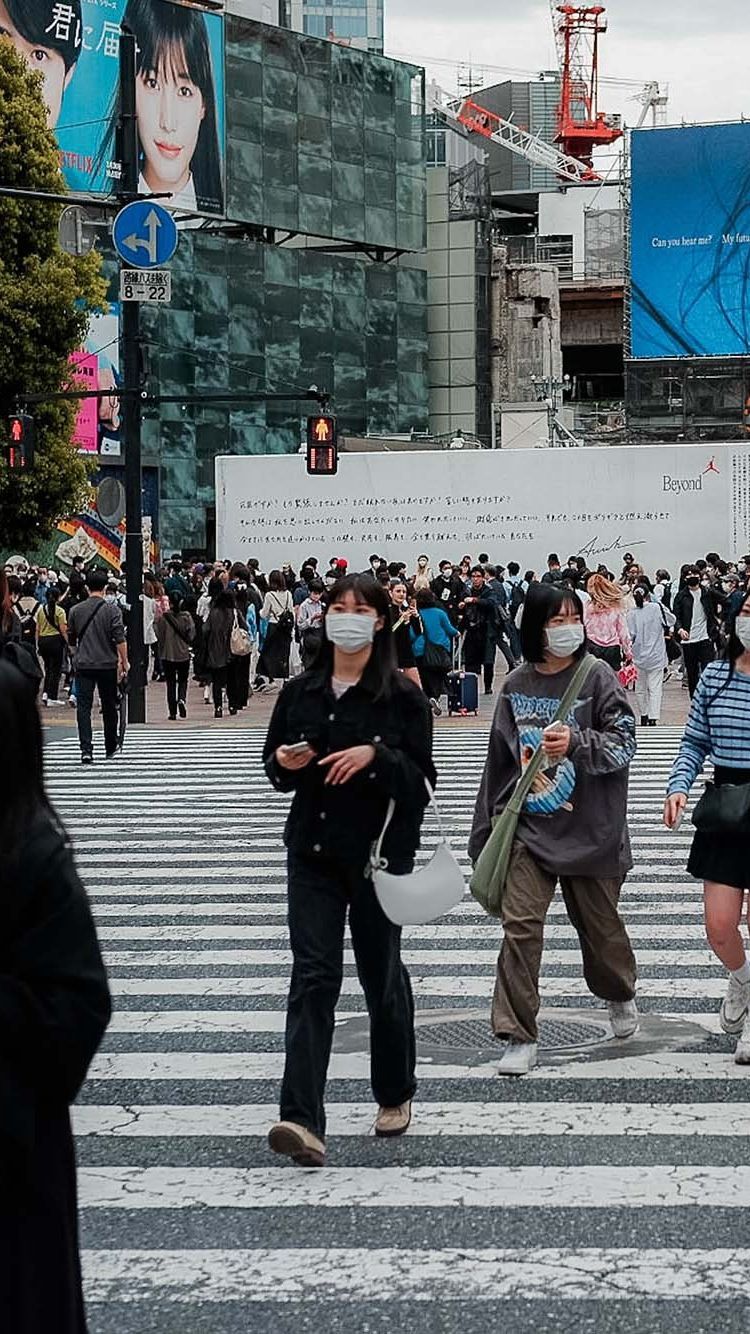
145 235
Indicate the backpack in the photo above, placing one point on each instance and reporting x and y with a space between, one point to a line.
517 599
28 623
285 618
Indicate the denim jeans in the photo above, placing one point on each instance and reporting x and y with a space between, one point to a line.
106 682
319 891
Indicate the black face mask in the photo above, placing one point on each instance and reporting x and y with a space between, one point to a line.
693 583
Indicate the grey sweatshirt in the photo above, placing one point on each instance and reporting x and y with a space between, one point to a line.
574 820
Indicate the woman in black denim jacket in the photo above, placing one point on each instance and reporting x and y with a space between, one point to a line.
345 737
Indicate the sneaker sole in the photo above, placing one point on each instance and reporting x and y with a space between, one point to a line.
732 1027
630 1033
290 1145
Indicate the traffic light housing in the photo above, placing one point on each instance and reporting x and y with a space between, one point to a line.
322 449
19 442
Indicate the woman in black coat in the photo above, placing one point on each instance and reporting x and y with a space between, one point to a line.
54 1009
218 644
346 737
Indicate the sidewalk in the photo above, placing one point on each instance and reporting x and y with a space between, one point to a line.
258 712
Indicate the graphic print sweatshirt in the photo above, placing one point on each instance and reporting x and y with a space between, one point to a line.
574 821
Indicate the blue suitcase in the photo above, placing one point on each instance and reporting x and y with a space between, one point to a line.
463 692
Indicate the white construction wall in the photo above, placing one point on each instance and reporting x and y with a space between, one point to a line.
666 504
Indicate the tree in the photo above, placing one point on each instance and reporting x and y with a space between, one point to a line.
46 298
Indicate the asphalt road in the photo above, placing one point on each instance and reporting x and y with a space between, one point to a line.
607 1191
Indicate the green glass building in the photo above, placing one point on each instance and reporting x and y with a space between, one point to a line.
315 277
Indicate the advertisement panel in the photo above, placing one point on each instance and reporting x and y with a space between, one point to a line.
97 366
690 246
664 504
179 91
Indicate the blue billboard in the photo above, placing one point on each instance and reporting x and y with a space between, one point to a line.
690 241
74 44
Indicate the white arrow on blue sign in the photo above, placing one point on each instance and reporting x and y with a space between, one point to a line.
145 235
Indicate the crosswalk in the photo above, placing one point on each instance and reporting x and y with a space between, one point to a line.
609 1190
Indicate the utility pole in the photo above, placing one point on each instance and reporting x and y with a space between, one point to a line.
130 333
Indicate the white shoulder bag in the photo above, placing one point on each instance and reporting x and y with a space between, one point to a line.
424 895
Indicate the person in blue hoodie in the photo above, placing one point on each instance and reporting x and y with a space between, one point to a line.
432 647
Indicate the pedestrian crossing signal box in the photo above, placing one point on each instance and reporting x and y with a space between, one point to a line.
322 449
19 441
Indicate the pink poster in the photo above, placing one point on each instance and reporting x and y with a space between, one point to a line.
86 429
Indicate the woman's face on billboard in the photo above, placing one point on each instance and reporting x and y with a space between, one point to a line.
170 110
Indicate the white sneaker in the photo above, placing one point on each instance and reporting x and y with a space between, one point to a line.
623 1016
734 1006
435 706
742 1050
518 1058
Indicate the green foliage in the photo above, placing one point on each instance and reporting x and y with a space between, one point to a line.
46 297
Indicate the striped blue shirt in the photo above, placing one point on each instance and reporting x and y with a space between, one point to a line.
717 729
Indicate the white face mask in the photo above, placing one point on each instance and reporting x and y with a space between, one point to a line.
350 631
742 630
564 640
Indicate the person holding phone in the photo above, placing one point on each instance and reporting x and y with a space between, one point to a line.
718 728
345 738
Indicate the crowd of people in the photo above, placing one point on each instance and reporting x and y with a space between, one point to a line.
239 630
351 740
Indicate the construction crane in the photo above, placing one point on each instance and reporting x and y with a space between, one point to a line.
476 119
654 100
581 126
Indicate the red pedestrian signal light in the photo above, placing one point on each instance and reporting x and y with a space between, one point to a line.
322 450
19 445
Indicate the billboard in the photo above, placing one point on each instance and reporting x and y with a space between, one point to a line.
690 241
662 504
96 366
179 91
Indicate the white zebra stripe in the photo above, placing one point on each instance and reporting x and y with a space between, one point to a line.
449 1276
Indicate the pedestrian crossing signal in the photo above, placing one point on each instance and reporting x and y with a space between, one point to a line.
19 443
322 450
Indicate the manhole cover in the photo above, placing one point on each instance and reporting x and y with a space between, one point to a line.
475 1035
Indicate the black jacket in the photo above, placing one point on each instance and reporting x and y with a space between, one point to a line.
402 638
478 617
449 592
54 1008
683 610
342 821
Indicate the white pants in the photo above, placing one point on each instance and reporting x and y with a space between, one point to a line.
648 692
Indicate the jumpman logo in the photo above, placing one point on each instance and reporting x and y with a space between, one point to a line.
711 467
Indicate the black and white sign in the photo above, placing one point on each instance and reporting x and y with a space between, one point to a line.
145 285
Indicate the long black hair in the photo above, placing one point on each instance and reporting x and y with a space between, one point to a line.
22 794
168 37
50 606
380 672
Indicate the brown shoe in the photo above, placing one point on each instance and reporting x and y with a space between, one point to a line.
392 1121
297 1143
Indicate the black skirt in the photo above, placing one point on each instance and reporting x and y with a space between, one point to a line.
724 859
611 654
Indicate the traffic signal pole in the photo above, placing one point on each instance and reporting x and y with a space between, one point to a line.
130 333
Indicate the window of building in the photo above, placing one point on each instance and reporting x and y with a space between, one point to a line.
436 148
